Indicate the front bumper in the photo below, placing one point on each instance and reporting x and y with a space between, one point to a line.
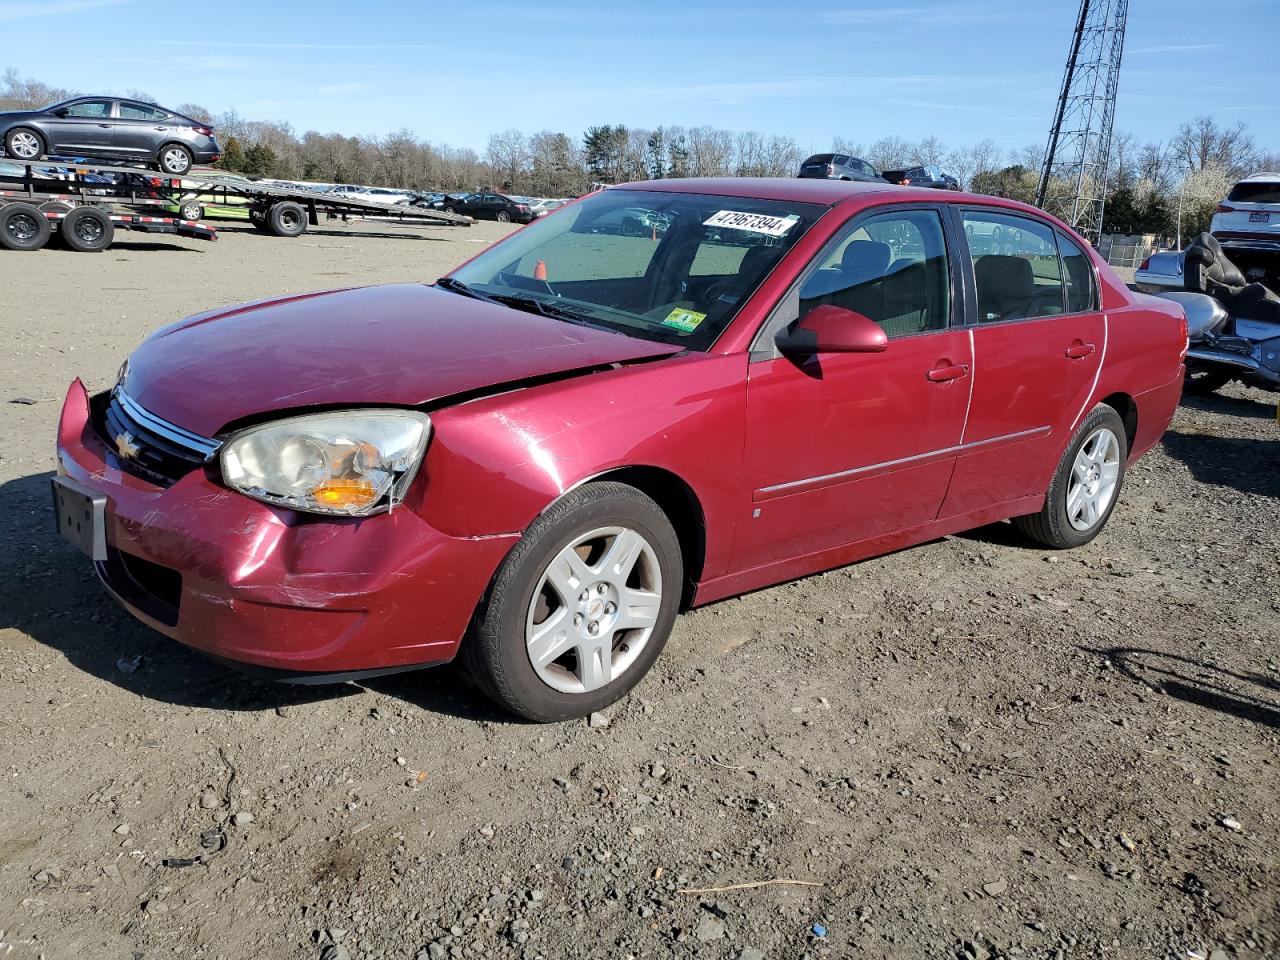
283 592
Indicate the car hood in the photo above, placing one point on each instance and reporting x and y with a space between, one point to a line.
401 345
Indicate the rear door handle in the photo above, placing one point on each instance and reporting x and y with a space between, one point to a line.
105 126
952 372
1078 351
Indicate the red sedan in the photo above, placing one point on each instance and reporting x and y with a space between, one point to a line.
659 396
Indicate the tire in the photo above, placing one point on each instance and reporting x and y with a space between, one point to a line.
585 523
287 219
449 209
191 211
23 227
1204 380
175 159
24 145
503 217
87 230
1061 525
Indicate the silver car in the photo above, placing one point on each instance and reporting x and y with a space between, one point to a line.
109 128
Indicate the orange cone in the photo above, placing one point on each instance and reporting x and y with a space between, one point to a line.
540 270
655 233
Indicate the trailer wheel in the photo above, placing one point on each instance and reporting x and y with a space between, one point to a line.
23 227
175 159
191 211
87 230
287 219
24 144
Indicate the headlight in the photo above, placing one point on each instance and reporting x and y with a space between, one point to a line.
351 463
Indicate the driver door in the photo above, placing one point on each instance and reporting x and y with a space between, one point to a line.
86 125
842 448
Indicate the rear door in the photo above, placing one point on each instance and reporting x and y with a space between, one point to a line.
140 128
1039 341
86 126
842 448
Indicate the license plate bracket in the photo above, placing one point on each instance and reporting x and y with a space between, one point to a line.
1260 217
81 517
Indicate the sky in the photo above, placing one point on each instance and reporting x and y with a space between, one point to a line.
454 73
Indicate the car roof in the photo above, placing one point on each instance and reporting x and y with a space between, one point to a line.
830 192
1264 177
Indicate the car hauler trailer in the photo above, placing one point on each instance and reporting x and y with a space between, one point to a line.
55 190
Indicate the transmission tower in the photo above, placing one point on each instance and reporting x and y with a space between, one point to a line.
1074 176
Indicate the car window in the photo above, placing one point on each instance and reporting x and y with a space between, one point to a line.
1015 266
1255 191
892 268
673 267
136 111
1082 294
868 169
90 108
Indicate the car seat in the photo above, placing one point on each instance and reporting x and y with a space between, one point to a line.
1007 290
1206 269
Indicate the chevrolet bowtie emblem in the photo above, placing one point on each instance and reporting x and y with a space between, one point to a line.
125 446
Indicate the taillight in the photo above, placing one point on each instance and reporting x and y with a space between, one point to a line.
1223 208
1186 339
1145 263
206 131
904 183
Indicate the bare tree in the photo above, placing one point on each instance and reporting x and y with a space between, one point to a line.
19 93
508 155
930 150
1201 143
851 148
889 153
972 161
710 151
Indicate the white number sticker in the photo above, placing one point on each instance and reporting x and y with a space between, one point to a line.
753 222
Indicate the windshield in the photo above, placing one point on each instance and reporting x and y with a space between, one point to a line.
673 267
1255 191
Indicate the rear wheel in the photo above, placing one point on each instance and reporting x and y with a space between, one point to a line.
449 209
191 211
87 230
287 219
175 159
582 606
24 145
1202 379
23 227
1086 485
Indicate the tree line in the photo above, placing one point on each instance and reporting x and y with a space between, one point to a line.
1149 184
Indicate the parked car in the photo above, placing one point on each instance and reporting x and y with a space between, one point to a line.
109 128
489 206
537 462
838 166
926 176
1250 215
350 191
1160 272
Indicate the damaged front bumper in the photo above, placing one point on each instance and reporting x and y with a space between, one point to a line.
278 592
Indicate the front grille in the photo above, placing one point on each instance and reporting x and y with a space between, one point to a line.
148 446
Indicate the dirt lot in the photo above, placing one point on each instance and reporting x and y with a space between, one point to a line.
973 748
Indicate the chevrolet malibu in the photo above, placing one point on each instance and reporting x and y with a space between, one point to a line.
537 462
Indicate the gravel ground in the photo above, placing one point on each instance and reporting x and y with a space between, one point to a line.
970 749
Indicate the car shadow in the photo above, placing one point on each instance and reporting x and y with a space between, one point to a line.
1249 696
50 595
1257 405
1246 465
1002 533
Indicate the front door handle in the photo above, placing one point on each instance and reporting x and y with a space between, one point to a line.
952 371
105 126
1078 350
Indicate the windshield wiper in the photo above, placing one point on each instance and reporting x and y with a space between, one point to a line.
457 286
535 305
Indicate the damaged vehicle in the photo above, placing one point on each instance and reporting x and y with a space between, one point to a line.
537 462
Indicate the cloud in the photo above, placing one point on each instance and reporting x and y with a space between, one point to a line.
1176 48
10 12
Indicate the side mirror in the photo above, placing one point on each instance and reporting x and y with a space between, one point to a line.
61 112
832 329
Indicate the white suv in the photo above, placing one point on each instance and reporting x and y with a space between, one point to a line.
1250 216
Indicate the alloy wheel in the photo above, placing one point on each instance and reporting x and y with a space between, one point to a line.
175 160
1094 476
594 610
25 146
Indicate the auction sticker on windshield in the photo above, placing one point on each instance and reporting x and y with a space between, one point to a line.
754 222
685 320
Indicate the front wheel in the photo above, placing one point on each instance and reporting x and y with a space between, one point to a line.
24 145
582 606
1085 486
23 227
504 217
191 211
